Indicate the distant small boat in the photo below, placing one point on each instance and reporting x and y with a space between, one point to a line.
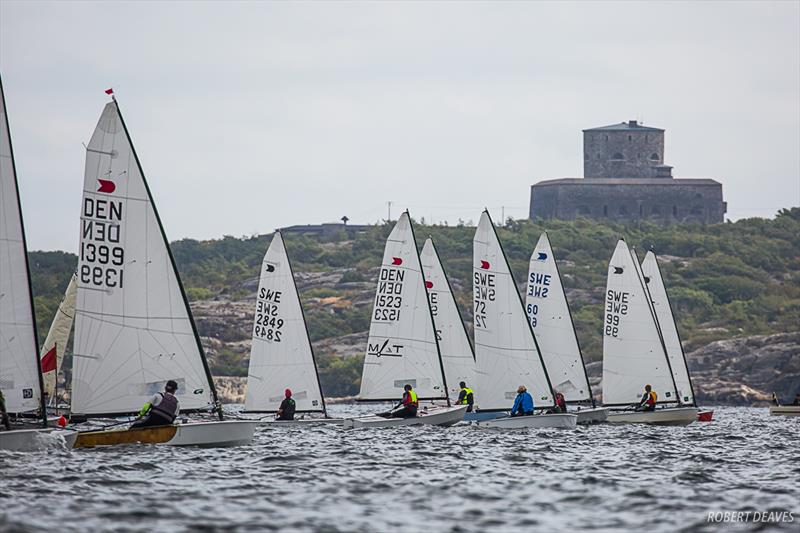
133 326
551 320
403 347
705 415
782 410
281 355
634 353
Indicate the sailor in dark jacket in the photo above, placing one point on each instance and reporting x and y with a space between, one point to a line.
161 410
288 407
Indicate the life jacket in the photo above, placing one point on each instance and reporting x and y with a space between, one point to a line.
560 401
467 391
652 399
411 399
167 408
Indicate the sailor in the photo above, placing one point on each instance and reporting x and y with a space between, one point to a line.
4 413
161 410
408 407
287 408
649 399
561 404
523 403
796 399
466 396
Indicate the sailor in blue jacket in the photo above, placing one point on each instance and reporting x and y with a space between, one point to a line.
523 403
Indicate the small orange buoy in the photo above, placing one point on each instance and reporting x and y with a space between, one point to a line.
62 422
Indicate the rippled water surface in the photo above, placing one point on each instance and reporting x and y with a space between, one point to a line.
418 479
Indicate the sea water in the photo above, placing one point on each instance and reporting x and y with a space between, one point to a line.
463 478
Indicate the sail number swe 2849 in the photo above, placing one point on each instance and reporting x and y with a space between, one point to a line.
268 324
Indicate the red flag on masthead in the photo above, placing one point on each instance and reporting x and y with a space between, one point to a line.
110 91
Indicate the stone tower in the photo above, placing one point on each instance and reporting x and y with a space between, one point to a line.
626 150
626 180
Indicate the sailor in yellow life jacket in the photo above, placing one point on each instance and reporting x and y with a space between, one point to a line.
408 407
466 397
649 399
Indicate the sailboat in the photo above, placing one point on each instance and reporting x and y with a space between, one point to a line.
56 342
778 409
20 374
281 355
654 283
402 347
133 326
506 351
633 350
551 320
458 357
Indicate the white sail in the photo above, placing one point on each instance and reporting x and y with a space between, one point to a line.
280 356
19 369
669 330
402 347
548 312
633 354
457 356
133 330
57 338
506 353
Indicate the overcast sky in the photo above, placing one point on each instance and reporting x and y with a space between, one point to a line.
251 116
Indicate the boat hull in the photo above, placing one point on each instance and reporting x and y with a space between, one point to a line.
33 439
440 416
204 434
557 420
677 416
480 416
784 410
595 415
706 415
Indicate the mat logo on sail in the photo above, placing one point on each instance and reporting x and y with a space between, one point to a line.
385 349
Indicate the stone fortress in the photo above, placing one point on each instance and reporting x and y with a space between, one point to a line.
625 179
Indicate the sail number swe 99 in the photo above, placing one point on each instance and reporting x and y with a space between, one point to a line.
616 306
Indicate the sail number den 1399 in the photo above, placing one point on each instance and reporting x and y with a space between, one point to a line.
101 256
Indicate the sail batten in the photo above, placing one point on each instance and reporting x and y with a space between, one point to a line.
20 375
633 353
133 326
506 351
402 347
281 355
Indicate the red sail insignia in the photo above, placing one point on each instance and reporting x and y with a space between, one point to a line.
106 186
484 264
428 284
397 261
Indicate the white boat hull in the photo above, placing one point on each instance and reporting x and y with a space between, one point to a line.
557 420
479 416
34 439
672 416
437 416
784 410
222 433
596 415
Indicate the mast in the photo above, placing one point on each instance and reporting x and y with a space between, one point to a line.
680 341
209 377
574 331
42 404
305 325
430 313
655 321
522 308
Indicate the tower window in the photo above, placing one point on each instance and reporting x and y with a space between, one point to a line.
675 210
630 137
605 210
654 156
618 157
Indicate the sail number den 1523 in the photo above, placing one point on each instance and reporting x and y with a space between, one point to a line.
389 296
101 255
